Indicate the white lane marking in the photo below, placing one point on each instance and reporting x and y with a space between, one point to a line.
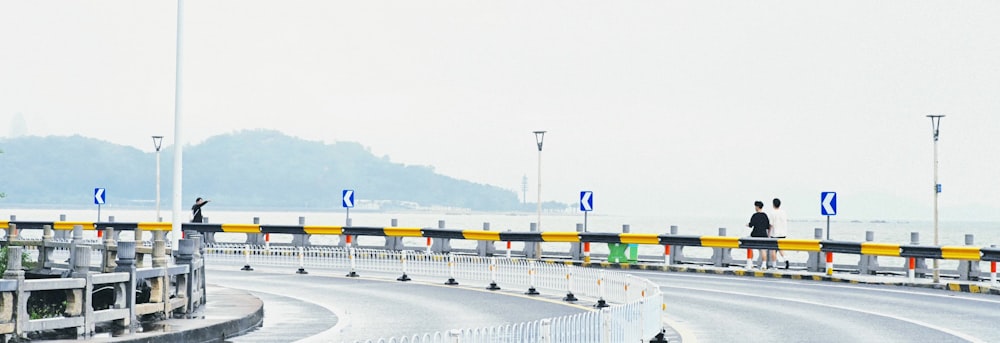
908 320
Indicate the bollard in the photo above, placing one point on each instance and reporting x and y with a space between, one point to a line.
911 273
600 291
402 262
531 279
968 270
246 258
451 272
569 285
993 270
576 248
921 263
428 251
868 264
666 255
749 258
493 275
829 263
302 262
508 247
586 252
814 263
719 254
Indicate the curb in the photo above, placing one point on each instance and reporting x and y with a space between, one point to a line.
951 286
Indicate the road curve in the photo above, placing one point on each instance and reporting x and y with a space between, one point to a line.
325 306
717 308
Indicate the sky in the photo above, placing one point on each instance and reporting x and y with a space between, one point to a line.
663 108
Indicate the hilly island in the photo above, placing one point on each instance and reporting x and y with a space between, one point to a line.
255 169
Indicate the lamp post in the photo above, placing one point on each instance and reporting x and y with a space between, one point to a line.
157 141
935 126
539 138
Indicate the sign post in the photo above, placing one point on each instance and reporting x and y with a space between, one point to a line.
586 205
99 200
828 207
347 200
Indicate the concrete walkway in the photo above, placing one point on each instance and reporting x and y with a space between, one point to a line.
228 313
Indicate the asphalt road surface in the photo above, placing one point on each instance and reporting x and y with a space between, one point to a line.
716 308
325 306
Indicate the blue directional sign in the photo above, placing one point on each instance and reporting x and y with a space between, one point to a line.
937 188
99 196
348 200
586 201
828 203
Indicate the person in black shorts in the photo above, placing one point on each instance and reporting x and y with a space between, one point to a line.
760 224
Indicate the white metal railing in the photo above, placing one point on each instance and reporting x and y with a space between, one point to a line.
634 315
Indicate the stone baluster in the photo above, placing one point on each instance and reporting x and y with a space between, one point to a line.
125 292
8 316
109 253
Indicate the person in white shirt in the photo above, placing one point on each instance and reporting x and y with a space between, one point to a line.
779 228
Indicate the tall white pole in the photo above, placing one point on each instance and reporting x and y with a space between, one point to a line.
158 218
935 126
539 201
175 229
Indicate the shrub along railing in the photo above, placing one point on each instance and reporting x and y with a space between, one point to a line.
114 294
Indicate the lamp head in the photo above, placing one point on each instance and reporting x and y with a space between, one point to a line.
539 137
157 140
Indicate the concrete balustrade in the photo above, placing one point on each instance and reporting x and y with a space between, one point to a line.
100 279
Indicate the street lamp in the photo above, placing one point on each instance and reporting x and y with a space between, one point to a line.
935 126
157 141
539 138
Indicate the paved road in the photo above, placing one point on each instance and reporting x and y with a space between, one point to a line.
325 306
716 308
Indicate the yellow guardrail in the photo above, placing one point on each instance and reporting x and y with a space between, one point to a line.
880 249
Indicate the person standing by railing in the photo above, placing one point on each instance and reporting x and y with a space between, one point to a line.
760 224
779 229
196 210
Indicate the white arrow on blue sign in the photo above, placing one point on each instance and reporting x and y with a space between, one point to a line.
586 201
98 196
828 203
348 198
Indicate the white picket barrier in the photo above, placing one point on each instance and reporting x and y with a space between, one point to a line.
634 315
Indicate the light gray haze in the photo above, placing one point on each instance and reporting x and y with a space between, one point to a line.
667 108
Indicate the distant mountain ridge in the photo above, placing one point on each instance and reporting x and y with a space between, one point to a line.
249 169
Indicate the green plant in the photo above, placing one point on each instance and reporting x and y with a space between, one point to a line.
25 260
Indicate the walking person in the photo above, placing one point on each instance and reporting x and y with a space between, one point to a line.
760 225
779 229
196 210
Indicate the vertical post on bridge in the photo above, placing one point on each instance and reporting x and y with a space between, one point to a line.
246 258
666 255
829 263
508 247
302 262
451 272
600 292
493 275
586 252
569 285
428 252
531 279
350 257
749 258
911 270
402 262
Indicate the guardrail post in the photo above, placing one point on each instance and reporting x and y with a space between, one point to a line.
350 257
868 264
185 256
46 250
920 264
255 238
633 249
829 263
676 251
719 254
126 264
302 240
586 252
15 305
78 301
485 248
815 261
968 270
569 285
910 268
108 263
532 248
508 247
393 243
441 245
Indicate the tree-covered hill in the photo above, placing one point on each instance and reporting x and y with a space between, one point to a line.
249 169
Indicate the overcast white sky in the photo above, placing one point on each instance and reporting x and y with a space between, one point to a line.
672 108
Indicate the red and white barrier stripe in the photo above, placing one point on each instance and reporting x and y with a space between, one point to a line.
912 269
993 272
428 245
749 258
666 255
508 249
829 263
586 252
